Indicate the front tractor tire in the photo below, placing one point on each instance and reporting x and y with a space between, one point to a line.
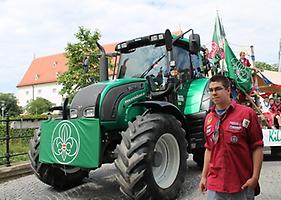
57 176
152 157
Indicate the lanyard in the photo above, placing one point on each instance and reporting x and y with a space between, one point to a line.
216 134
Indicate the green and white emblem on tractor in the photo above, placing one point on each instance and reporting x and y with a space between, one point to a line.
65 142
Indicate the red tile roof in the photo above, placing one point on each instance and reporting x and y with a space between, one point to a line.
110 48
45 69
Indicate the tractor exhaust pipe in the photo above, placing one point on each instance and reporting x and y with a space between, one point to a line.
103 64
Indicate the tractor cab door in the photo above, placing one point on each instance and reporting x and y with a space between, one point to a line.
183 64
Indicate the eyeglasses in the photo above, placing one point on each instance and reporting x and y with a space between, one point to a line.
216 89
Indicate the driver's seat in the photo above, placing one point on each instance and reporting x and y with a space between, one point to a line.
151 83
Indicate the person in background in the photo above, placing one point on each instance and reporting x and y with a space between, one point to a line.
265 108
276 111
206 62
86 64
271 103
244 60
264 105
234 147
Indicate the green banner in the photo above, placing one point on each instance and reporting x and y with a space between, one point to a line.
237 71
73 142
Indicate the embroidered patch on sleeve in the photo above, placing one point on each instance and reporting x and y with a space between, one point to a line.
209 120
245 123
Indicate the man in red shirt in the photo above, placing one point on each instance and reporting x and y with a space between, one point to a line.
234 153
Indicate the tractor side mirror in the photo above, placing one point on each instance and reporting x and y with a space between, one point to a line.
168 40
169 47
194 43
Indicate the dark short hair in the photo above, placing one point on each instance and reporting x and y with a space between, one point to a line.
222 79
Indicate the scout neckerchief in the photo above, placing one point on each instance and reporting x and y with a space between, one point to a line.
220 114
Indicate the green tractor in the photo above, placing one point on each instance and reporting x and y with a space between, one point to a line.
146 120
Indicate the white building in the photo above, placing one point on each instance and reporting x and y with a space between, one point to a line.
40 80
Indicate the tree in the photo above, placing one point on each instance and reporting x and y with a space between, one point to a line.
78 76
8 104
39 106
265 66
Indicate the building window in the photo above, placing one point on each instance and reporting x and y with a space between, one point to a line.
27 92
55 63
54 90
36 77
39 91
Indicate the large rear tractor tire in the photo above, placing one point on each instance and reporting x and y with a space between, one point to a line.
152 157
58 176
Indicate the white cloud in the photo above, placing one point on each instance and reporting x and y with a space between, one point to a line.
44 27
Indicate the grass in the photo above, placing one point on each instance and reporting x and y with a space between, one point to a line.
20 145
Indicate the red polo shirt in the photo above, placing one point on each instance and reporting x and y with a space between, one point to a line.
231 157
275 109
245 62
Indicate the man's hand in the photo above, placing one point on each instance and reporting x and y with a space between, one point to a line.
203 184
250 183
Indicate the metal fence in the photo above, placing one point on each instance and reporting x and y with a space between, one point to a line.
20 125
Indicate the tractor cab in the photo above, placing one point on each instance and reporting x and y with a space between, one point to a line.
151 57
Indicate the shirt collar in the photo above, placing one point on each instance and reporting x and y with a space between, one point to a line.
231 106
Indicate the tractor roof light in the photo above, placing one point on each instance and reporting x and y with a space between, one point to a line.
156 37
89 112
73 113
122 45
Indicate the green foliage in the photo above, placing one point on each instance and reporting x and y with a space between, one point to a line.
30 117
76 53
275 67
265 66
39 106
10 104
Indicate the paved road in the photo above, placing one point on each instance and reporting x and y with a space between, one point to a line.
102 185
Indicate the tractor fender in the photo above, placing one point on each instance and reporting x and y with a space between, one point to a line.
164 107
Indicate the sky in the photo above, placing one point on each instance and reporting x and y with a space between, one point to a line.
35 28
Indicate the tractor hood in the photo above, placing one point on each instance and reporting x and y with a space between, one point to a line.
103 97
84 99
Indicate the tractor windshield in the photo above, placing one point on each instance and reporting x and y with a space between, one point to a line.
134 63
138 60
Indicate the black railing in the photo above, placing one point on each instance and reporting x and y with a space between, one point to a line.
11 132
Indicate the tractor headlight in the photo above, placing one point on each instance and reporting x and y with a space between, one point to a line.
89 112
73 113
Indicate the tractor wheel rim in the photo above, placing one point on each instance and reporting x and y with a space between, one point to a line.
165 174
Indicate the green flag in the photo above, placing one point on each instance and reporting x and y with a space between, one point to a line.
236 70
217 53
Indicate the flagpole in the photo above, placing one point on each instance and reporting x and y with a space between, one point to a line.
223 35
252 55
255 78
